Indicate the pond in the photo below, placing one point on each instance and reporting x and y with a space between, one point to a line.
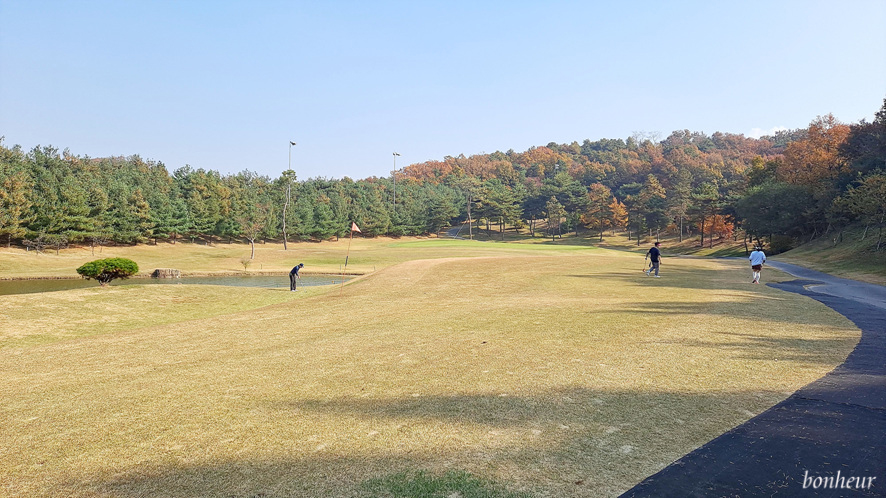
269 282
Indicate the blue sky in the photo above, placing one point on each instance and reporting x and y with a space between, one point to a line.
225 85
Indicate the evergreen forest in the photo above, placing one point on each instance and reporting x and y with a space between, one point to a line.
780 190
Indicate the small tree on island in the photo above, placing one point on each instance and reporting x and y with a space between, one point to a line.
105 270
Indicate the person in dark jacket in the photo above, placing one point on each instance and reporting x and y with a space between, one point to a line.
293 276
654 255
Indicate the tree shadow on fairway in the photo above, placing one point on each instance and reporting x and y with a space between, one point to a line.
559 442
326 476
761 347
749 305
503 410
762 313
682 277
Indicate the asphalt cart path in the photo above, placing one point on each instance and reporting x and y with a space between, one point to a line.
833 428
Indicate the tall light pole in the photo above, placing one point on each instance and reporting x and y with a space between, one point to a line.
288 196
395 182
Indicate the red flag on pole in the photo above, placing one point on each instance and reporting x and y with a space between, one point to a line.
354 227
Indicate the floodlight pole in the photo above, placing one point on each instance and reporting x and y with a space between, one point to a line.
395 181
288 197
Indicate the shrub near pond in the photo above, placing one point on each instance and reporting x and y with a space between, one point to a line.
105 270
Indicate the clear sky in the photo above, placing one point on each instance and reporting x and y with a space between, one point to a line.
226 85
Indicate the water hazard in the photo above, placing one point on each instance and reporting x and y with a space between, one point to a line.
269 282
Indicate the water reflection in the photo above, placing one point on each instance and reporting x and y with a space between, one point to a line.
269 282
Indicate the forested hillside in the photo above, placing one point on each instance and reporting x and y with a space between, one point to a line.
781 190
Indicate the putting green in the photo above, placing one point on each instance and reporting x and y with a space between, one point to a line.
569 374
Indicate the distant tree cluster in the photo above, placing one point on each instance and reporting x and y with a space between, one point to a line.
780 188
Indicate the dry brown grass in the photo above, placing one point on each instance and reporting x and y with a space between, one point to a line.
534 370
40 318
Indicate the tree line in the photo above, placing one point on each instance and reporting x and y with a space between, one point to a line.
781 189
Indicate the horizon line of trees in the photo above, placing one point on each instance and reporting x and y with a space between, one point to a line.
791 186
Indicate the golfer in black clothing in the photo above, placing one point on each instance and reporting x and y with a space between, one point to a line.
293 276
655 257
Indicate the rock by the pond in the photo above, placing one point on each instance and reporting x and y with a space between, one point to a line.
166 273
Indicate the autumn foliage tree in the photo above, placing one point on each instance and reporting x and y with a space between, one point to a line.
816 162
619 214
719 226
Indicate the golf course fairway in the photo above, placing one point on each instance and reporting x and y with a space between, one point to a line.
521 370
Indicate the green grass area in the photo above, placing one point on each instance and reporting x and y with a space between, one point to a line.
452 483
852 255
455 367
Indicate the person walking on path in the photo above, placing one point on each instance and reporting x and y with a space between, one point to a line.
654 255
757 258
293 276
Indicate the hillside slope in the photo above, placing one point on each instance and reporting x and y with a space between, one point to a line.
851 258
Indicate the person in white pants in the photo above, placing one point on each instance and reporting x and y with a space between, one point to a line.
757 258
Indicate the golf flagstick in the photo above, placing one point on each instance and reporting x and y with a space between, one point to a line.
354 227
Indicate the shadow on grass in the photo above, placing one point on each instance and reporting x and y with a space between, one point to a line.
505 411
766 309
729 276
559 442
274 478
733 275
761 347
